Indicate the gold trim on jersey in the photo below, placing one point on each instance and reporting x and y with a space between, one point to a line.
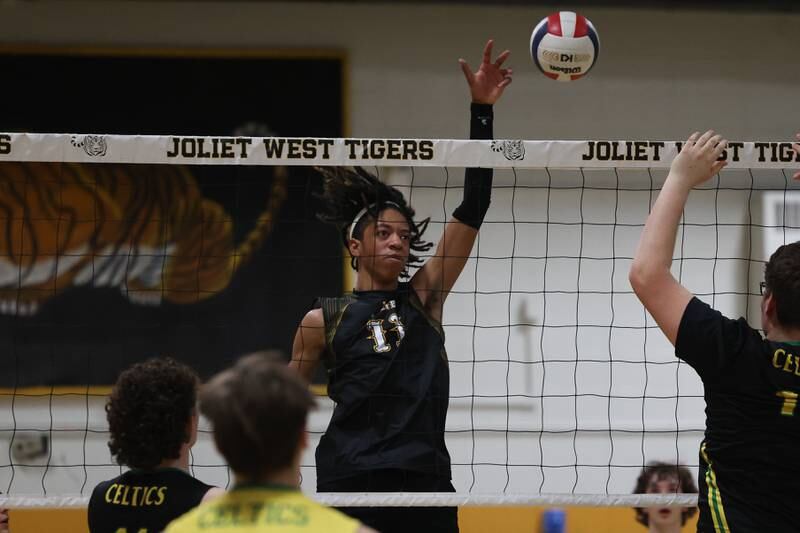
714 495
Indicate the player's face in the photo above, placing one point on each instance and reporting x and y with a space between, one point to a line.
385 245
664 516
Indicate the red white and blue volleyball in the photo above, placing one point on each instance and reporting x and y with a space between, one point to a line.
565 46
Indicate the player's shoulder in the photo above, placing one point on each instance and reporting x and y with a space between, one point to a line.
330 309
313 317
700 315
192 488
191 480
101 488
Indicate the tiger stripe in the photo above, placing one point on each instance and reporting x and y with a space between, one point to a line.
714 496
147 229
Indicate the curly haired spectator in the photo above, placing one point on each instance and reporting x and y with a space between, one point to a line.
152 420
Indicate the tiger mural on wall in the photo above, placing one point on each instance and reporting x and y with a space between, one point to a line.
145 229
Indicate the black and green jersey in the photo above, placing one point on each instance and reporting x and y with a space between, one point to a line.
143 501
749 467
388 376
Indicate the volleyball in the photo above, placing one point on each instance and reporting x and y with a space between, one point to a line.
564 45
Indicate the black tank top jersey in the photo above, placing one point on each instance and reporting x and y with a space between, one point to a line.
388 375
142 501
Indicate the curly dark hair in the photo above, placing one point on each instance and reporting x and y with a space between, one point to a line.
658 471
347 191
782 279
149 412
258 410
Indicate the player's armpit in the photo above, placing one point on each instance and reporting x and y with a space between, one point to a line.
309 344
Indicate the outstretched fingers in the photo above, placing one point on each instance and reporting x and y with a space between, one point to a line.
704 138
467 71
487 82
487 51
713 148
502 58
717 166
690 141
719 146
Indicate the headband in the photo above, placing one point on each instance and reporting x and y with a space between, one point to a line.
363 212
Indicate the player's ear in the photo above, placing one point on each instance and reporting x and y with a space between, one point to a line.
304 439
194 421
770 306
354 247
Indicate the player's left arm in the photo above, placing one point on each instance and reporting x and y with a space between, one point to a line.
650 274
435 279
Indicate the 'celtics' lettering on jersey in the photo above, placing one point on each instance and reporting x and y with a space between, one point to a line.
143 501
748 458
388 374
233 514
263 508
135 495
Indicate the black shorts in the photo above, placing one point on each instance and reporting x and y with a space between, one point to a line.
398 519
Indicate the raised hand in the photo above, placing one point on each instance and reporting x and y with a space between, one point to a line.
490 80
698 160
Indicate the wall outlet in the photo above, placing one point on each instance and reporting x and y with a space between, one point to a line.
28 446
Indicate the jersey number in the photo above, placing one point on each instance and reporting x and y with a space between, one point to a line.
378 333
789 402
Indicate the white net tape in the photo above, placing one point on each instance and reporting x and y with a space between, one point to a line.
372 152
415 499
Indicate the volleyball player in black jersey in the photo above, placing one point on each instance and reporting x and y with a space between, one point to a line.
749 467
383 345
152 418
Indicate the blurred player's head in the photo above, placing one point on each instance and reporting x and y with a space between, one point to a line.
782 289
375 221
258 410
151 413
664 478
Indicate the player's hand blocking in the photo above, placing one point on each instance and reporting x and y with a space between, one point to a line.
699 158
796 147
488 83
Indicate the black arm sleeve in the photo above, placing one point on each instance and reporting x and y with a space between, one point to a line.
477 181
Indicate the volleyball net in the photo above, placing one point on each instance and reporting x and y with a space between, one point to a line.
117 248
